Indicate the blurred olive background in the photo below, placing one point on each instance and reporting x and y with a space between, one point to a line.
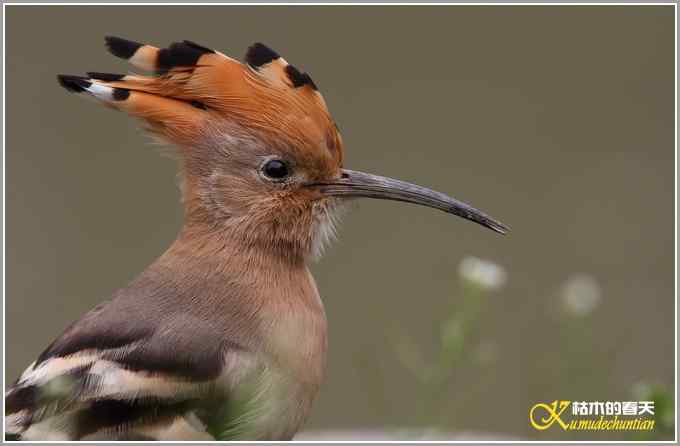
557 120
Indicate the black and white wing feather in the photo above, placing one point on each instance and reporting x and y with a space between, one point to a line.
123 372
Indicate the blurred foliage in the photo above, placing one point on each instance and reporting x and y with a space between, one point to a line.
664 411
460 346
459 342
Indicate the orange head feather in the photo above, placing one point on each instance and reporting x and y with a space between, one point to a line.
262 155
230 119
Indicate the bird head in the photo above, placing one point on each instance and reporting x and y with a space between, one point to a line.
261 155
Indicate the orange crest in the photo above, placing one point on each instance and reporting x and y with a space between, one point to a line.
195 90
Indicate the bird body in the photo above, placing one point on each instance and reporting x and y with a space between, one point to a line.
224 336
204 326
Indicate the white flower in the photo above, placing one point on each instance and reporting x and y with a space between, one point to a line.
483 273
581 294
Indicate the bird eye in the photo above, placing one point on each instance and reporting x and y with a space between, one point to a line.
275 169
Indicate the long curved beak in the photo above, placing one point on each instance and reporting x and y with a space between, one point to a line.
360 184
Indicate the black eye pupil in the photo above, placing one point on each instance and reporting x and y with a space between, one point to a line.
276 169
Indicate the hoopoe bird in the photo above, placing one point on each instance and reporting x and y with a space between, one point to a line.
224 335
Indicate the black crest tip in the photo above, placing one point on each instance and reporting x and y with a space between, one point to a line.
122 48
120 94
198 47
260 54
106 77
74 84
180 54
299 79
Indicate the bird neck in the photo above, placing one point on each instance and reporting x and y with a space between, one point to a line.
218 246
218 278
293 238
